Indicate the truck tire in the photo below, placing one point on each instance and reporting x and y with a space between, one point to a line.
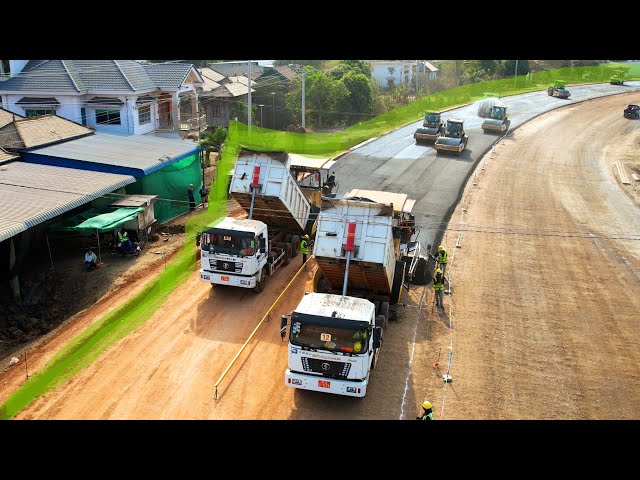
421 274
287 238
384 311
398 280
263 279
376 303
380 322
375 359
295 243
287 254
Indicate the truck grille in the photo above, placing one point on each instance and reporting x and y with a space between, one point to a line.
326 368
226 266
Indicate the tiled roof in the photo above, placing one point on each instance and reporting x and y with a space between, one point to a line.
6 117
286 72
85 76
10 138
211 74
6 156
46 129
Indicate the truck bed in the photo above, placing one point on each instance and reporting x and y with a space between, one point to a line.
370 277
279 202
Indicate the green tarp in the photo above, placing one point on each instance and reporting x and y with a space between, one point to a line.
111 220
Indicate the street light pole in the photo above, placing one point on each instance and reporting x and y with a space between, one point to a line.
302 98
273 110
515 76
249 102
261 124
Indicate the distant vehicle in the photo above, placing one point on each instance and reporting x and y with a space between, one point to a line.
558 90
454 139
632 111
617 78
498 120
431 128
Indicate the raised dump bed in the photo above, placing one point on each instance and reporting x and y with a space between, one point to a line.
372 266
279 202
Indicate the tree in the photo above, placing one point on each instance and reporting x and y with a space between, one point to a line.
360 93
212 141
346 66
507 68
322 96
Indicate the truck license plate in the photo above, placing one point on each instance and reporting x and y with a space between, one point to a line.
324 384
224 279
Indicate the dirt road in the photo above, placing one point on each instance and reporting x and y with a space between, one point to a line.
545 321
543 326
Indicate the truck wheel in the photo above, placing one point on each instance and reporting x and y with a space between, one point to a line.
287 238
295 243
384 311
263 279
398 280
376 303
376 354
550 91
287 254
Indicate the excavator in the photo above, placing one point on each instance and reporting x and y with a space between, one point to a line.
498 120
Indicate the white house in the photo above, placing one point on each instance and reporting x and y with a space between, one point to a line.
389 73
113 96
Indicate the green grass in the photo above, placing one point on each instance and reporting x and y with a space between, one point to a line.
117 324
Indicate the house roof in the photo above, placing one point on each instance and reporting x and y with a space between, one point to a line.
240 79
431 67
87 76
211 75
237 89
45 129
7 117
31 194
285 71
38 101
6 156
137 155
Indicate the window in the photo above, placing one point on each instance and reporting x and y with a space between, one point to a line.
108 117
35 112
144 114
83 115
216 110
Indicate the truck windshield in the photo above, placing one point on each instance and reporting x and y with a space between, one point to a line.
243 246
453 130
496 113
334 339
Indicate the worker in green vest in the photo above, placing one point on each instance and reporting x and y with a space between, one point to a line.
427 412
304 248
438 287
443 258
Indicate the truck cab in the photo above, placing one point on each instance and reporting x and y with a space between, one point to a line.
333 344
234 252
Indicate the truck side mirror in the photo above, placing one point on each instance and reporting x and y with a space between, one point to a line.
198 237
263 244
283 327
377 336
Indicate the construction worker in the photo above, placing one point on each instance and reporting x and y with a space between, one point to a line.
438 287
442 259
304 248
427 412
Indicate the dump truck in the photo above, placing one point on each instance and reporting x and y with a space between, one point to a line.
498 120
632 112
558 89
431 128
243 252
453 139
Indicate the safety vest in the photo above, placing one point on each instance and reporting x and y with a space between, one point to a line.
438 282
121 237
443 257
303 247
427 416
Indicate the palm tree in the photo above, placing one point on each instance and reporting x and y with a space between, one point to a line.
212 141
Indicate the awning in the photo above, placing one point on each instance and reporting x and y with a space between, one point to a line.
38 102
105 101
145 99
111 220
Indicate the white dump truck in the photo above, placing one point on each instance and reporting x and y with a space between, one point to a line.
334 339
242 252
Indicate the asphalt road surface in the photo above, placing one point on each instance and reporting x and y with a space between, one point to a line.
394 162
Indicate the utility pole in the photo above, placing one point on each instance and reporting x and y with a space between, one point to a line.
416 78
515 76
303 123
249 101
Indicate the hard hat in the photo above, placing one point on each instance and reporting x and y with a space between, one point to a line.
426 405
306 236
438 270
357 347
440 248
